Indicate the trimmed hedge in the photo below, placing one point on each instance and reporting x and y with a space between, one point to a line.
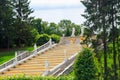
43 38
55 38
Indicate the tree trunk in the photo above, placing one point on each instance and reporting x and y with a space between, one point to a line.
114 48
118 50
105 49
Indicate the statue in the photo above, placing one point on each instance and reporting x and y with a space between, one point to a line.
73 32
82 31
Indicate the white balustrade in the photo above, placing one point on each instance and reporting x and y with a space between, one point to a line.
62 65
20 57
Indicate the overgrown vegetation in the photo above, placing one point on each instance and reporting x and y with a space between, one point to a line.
43 38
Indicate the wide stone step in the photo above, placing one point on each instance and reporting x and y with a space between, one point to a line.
36 65
23 72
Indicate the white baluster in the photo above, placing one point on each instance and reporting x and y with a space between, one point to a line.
47 67
16 58
35 49
65 54
50 42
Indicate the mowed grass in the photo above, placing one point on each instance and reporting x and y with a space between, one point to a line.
6 55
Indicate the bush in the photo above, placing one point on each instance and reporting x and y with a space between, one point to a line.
43 38
55 38
85 66
24 77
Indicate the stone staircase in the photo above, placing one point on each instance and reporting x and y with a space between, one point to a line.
36 65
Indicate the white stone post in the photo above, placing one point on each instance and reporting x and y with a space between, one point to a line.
35 49
47 67
65 54
63 35
16 57
50 42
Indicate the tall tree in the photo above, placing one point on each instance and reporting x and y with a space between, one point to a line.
66 27
106 13
95 15
37 23
23 11
6 24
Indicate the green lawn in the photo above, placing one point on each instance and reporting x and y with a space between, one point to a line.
6 55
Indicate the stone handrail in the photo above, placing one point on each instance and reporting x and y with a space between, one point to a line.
67 70
44 46
13 61
24 56
61 67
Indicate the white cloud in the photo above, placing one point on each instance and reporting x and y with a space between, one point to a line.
59 14
54 2
56 10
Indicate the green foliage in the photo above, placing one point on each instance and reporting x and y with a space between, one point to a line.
14 23
22 23
30 37
43 38
6 24
23 77
55 38
66 26
52 28
38 25
85 66
22 10
102 17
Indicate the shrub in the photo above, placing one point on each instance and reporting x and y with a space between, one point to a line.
24 77
55 38
43 38
85 66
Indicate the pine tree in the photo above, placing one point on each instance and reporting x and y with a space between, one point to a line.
6 24
85 66
23 11
106 13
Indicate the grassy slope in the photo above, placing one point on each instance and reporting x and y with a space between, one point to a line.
7 55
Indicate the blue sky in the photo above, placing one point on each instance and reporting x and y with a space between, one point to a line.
56 10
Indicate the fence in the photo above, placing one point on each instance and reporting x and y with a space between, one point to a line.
19 58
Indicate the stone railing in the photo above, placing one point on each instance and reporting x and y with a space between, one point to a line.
61 68
21 57
13 61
